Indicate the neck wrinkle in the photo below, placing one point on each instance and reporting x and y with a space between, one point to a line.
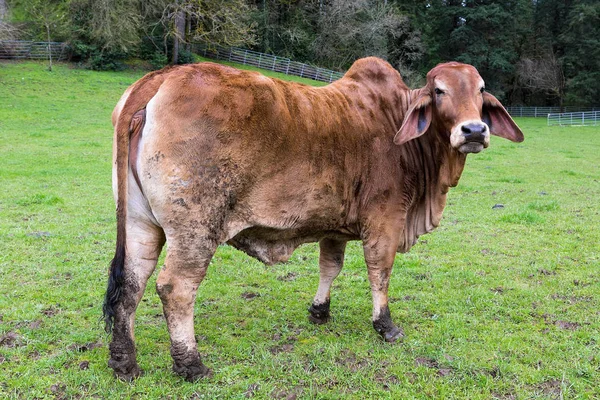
431 169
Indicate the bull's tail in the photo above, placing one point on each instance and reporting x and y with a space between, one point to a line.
141 93
115 283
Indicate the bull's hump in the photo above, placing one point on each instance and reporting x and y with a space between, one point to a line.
374 70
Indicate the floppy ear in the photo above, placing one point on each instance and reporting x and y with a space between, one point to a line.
416 120
498 119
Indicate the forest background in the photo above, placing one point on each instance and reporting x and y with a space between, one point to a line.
531 52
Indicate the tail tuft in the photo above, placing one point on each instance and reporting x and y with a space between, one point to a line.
116 278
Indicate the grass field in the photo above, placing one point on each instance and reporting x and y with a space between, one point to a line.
499 302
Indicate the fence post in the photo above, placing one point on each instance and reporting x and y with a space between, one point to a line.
302 70
535 112
331 76
287 69
274 61
245 55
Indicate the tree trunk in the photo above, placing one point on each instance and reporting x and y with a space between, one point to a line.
49 48
3 9
178 34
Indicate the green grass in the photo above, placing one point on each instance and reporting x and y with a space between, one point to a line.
499 302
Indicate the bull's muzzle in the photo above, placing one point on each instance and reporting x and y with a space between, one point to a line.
470 136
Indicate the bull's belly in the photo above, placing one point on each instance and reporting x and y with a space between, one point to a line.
272 246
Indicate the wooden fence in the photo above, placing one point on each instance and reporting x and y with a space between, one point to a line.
266 61
22 49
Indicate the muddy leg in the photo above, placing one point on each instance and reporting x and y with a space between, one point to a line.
379 255
331 260
144 244
177 284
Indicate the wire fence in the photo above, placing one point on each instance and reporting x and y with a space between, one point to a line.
590 118
523 111
266 61
24 49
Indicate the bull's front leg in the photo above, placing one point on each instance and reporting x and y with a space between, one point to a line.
380 251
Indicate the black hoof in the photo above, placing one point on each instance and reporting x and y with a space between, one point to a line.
386 328
393 335
319 313
187 363
192 373
125 367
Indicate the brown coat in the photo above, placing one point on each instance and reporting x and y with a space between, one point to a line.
207 154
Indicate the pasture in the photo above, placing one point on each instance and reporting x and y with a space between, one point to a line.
501 301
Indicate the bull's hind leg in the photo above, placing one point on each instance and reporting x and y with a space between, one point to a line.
144 243
331 260
187 259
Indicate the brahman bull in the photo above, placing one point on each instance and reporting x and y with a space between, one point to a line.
206 154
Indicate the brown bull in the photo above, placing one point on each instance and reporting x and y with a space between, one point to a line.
207 154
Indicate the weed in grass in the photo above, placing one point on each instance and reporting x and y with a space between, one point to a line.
524 217
496 303
38 198
543 205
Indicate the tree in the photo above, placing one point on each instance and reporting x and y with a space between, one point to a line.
581 43
113 26
350 29
542 75
213 21
491 35
7 30
49 18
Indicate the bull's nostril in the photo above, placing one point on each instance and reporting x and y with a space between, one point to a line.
474 128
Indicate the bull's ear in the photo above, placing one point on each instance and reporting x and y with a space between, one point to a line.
416 121
498 119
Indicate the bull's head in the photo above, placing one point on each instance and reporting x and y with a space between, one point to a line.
454 102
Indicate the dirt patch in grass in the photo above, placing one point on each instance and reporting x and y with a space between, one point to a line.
433 364
33 325
287 395
350 361
386 381
284 348
290 276
503 396
571 299
58 390
50 311
251 390
249 295
571 326
85 347
10 339
551 388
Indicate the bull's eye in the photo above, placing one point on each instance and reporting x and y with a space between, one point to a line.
438 91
